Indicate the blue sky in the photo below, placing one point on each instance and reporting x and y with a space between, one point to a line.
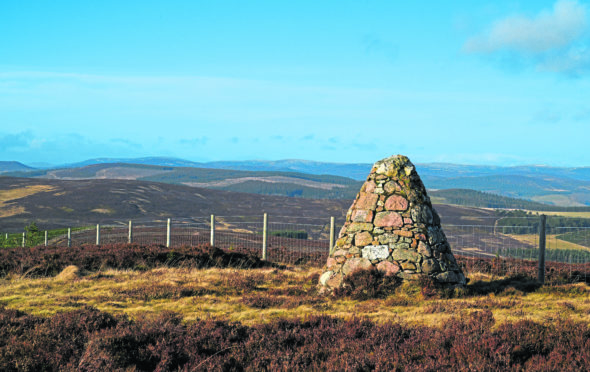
472 82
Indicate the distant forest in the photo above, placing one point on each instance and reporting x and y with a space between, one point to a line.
520 222
293 190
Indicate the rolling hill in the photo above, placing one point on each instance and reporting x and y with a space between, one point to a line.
13 166
480 199
564 187
260 182
62 203
357 171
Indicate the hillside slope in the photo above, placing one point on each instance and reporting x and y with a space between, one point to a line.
55 203
567 187
60 203
13 166
260 182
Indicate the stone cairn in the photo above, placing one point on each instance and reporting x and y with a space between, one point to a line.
392 227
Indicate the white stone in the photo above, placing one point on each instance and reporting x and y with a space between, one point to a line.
376 252
325 276
382 168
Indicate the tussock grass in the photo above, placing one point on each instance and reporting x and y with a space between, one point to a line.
255 296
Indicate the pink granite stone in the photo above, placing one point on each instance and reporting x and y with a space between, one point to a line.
388 219
366 201
390 269
355 264
362 239
370 186
362 215
396 203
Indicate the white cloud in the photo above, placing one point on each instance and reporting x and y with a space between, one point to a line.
574 61
552 40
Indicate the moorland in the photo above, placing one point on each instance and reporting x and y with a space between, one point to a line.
128 307
149 307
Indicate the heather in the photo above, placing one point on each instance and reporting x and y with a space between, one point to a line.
129 307
43 261
90 340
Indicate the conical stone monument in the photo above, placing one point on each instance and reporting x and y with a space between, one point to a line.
392 227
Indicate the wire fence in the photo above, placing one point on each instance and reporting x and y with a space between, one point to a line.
292 240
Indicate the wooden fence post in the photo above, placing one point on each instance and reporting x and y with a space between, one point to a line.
130 235
264 235
97 234
331 235
24 239
69 237
168 234
542 242
46 240
212 235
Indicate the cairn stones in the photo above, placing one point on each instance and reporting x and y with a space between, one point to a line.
392 227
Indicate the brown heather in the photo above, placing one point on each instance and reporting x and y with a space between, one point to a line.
205 309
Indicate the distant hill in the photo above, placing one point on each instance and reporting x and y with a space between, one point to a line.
559 186
447 170
13 166
480 199
357 171
59 203
260 182
161 161
53 203
549 190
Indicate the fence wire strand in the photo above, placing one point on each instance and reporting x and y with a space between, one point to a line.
300 240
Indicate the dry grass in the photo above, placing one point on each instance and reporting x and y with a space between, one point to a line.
70 273
7 209
552 242
13 194
103 210
566 214
261 295
557 199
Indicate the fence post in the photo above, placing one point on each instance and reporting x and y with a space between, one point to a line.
46 240
98 234
168 234
212 235
331 235
542 242
24 241
69 237
264 235
130 236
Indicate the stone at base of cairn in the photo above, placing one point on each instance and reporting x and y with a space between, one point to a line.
392 227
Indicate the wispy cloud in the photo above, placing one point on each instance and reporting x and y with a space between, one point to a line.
553 40
63 148
376 45
16 141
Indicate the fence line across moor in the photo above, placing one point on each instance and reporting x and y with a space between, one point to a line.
298 240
